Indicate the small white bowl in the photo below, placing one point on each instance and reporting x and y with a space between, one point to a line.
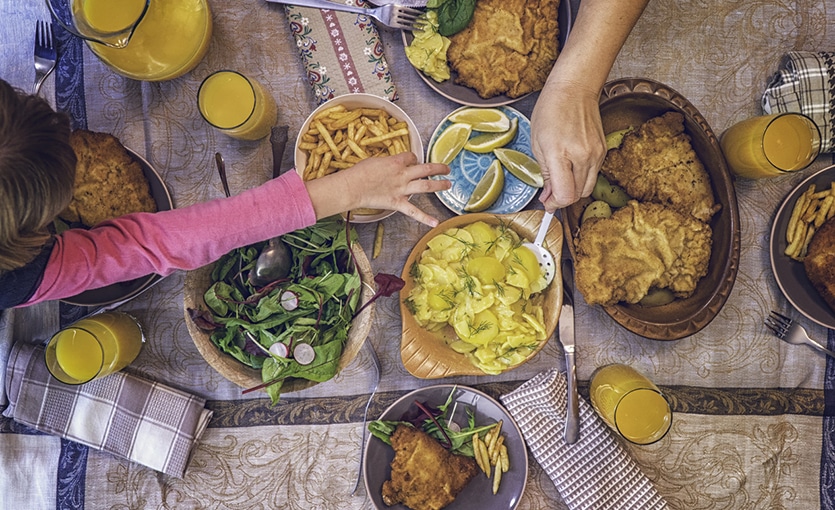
352 101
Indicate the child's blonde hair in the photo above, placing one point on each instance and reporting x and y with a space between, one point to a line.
37 170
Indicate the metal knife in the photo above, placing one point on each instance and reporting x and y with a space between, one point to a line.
278 141
566 333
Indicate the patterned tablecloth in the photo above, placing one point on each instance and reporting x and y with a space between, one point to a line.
752 428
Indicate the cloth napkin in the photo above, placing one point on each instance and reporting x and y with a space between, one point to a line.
341 52
805 83
133 418
593 473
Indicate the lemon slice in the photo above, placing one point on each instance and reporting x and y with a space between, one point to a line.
522 166
449 143
487 120
486 142
488 188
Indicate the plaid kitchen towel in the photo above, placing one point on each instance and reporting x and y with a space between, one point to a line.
131 417
595 473
805 83
341 52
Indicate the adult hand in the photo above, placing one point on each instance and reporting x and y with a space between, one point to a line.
568 142
379 183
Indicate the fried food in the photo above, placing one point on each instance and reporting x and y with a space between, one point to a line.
819 262
108 181
641 246
424 475
810 211
508 48
657 163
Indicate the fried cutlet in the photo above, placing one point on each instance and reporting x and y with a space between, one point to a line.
508 47
424 475
819 262
641 246
108 181
657 163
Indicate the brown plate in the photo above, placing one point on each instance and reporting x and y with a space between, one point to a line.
424 353
790 274
469 97
631 102
124 290
199 280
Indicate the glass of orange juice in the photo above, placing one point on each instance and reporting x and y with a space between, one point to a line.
771 145
237 105
94 347
630 403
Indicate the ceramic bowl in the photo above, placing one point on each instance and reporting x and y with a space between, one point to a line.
631 102
353 101
199 280
424 353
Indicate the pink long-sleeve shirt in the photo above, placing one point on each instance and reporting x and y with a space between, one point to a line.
139 244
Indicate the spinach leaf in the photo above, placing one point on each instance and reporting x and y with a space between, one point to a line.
454 16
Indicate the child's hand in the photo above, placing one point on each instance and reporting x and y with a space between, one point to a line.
378 183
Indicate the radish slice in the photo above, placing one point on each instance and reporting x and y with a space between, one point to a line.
280 350
289 300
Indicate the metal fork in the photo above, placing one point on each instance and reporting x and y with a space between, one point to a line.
788 330
46 55
395 16
378 372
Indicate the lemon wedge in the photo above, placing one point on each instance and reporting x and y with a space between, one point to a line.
449 143
522 166
487 120
486 142
488 188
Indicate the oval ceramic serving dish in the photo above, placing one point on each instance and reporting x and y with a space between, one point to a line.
124 290
199 280
426 354
631 102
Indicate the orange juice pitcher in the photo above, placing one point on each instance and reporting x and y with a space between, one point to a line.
149 40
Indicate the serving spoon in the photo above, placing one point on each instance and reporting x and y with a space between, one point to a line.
543 256
275 260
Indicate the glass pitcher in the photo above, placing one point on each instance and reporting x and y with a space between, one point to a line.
149 40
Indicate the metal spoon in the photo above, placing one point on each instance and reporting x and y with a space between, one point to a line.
274 262
546 260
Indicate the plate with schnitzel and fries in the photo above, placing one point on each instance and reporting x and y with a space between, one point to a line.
657 244
504 53
802 247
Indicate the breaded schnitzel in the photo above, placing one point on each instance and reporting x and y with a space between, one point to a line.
424 475
508 48
657 163
108 181
819 262
641 246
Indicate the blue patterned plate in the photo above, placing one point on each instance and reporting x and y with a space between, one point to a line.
468 167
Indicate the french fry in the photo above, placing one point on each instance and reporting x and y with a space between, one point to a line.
497 479
378 241
494 456
479 458
810 211
505 460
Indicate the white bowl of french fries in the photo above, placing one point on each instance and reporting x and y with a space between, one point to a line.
349 128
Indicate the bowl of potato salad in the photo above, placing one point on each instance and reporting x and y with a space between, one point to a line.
476 301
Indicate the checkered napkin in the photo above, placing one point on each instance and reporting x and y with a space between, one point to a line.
805 83
341 52
130 417
593 473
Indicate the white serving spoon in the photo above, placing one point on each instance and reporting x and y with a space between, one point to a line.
546 260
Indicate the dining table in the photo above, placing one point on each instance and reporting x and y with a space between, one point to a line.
753 417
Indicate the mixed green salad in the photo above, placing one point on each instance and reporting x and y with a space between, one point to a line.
263 327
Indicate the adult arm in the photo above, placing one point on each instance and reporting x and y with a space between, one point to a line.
567 133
